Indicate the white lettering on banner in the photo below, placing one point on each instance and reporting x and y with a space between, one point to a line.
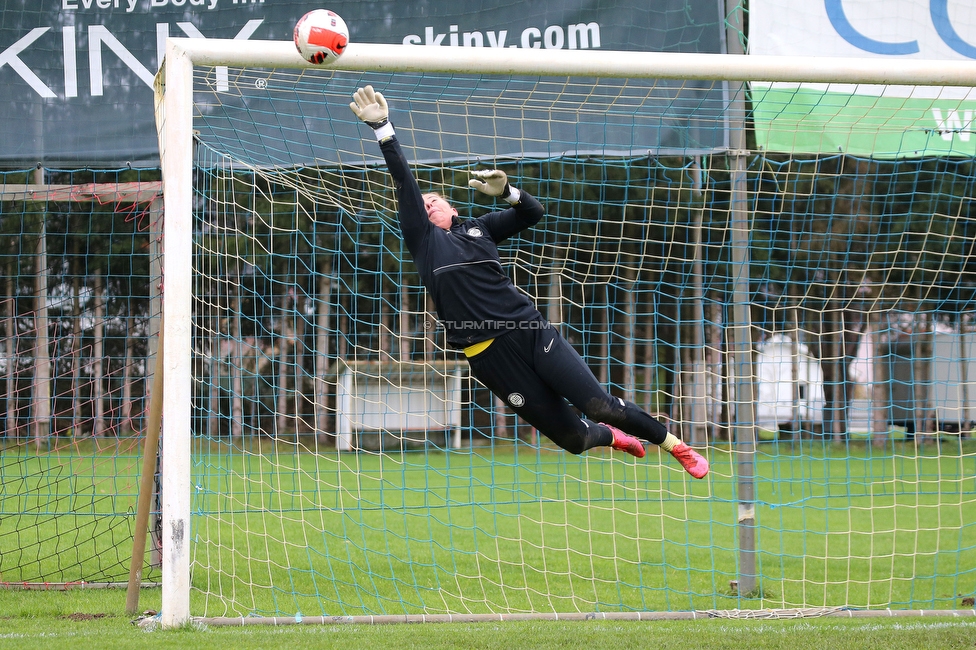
162 33
530 38
429 35
74 5
574 36
952 124
210 4
9 57
581 36
98 34
70 61
223 84
494 41
192 3
553 38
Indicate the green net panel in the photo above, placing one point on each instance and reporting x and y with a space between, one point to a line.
78 323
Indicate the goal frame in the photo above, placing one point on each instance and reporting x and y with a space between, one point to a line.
174 116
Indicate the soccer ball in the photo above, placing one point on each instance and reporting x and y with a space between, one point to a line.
321 36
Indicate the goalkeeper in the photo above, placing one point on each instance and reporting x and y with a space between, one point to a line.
511 348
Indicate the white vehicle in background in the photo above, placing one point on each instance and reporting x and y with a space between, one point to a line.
790 389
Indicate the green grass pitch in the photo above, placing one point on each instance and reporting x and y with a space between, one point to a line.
278 530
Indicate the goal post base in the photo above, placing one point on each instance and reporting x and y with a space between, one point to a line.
757 614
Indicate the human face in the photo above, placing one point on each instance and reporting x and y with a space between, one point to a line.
439 211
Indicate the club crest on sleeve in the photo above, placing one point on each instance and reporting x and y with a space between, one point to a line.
516 399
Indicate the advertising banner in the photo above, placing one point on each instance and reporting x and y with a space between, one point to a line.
77 74
892 121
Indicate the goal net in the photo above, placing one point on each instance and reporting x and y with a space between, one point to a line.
325 453
78 332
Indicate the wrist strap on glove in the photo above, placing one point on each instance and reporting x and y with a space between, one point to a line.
383 130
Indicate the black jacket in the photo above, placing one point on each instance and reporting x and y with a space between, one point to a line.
474 297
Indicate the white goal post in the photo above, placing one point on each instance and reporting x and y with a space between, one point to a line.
174 107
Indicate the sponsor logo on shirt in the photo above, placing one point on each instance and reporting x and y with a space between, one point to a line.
475 232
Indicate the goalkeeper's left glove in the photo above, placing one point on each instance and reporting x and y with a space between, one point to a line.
371 108
494 182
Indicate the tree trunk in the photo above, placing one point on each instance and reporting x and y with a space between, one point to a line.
696 366
385 343
716 381
840 374
301 400
12 339
342 344
322 356
603 339
285 337
553 298
98 348
963 361
630 337
403 351
879 382
501 418
922 359
214 362
42 351
832 359
650 365
76 345
127 376
795 396
258 415
236 363
429 333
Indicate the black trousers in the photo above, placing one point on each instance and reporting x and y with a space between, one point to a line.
535 371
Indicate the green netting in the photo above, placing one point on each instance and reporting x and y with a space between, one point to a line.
384 480
78 325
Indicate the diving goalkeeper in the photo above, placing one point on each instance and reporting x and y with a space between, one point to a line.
510 347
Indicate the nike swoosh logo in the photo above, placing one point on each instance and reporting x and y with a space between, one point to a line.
549 345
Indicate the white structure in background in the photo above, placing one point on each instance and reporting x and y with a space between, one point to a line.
408 400
953 378
948 395
778 404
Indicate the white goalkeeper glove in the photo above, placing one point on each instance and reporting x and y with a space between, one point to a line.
494 182
371 108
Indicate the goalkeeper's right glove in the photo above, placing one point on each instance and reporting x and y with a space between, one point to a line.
371 108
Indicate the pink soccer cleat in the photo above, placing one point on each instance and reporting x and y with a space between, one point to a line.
693 462
628 443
